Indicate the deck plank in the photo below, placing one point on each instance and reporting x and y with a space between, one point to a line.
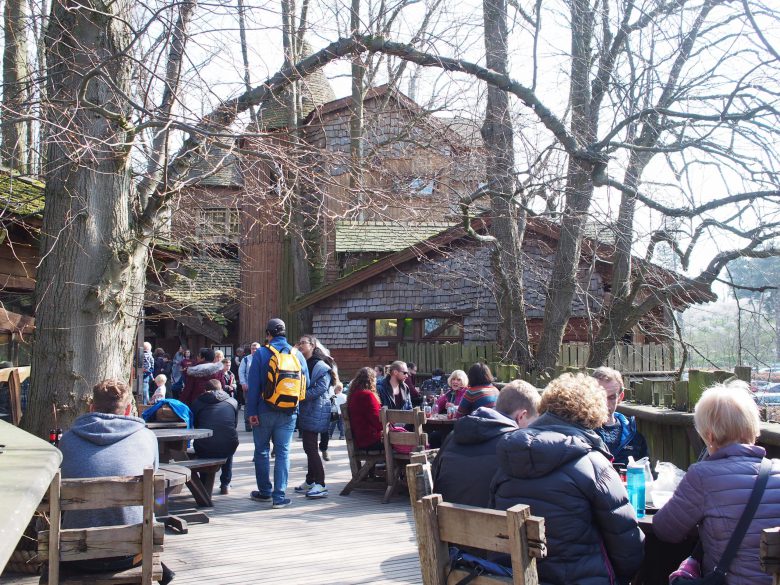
337 540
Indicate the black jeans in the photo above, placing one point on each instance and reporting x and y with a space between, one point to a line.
316 472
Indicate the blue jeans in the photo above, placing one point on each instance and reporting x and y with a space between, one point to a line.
147 384
279 427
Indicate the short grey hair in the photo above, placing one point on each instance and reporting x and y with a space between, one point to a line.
728 413
460 375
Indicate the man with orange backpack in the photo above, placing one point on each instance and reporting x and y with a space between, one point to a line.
276 384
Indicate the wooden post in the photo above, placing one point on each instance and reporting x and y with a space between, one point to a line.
697 382
523 568
769 553
433 552
147 532
744 373
54 530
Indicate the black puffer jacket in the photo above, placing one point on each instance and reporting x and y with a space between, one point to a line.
219 412
563 472
466 462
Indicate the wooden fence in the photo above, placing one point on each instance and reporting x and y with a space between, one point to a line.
650 357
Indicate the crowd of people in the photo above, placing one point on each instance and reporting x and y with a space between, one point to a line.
557 450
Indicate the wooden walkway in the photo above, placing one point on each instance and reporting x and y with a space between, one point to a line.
333 541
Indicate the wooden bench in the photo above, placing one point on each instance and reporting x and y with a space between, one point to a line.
769 553
439 524
80 544
204 472
361 461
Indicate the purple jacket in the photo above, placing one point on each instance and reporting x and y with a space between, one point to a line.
714 494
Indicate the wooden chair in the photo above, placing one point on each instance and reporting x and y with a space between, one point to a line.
440 524
361 461
417 439
14 378
58 544
769 553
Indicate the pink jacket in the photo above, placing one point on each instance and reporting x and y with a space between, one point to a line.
441 403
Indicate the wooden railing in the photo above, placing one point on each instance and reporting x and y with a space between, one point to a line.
650 357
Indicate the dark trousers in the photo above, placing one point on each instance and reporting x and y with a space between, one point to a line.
316 472
324 441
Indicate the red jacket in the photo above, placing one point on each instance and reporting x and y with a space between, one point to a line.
197 380
363 408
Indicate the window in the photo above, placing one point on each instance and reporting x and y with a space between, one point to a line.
221 224
422 186
385 330
442 327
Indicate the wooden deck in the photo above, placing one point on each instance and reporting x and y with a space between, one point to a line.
333 541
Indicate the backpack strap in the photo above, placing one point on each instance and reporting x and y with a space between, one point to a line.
746 518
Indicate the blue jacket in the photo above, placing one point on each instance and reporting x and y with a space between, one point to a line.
627 442
314 412
385 391
258 373
181 409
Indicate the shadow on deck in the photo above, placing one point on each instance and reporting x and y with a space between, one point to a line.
332 541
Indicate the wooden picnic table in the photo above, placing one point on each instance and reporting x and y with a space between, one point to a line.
27 466
172 442
176 477
661 558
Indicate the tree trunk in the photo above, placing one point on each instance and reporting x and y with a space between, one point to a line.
508 224
90 283
15 91
356 117
578 192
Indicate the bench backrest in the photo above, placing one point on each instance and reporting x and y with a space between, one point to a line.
416 438
102 541
440 524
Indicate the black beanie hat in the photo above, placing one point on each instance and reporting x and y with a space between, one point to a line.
275 327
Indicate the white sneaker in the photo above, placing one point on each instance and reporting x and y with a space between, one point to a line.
317 491
304 487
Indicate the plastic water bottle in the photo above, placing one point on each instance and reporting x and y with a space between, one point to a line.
635 486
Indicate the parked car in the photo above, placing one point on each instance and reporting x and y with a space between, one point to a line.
768 397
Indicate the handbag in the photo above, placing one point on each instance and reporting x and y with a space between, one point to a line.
475 566
718 575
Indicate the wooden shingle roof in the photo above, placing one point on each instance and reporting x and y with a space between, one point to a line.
206 285
383 236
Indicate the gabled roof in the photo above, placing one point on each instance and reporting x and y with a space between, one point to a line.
383 236
440 128
603 252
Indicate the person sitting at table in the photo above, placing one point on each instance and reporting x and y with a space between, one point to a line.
714 492
432 388
216 410
392 389
480 392
458 383
107 442
619 432
198 376
466 463
561 468
363 408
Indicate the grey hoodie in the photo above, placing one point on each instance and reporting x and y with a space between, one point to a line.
101 445
466 463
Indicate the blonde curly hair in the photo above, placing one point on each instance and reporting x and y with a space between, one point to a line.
576 398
